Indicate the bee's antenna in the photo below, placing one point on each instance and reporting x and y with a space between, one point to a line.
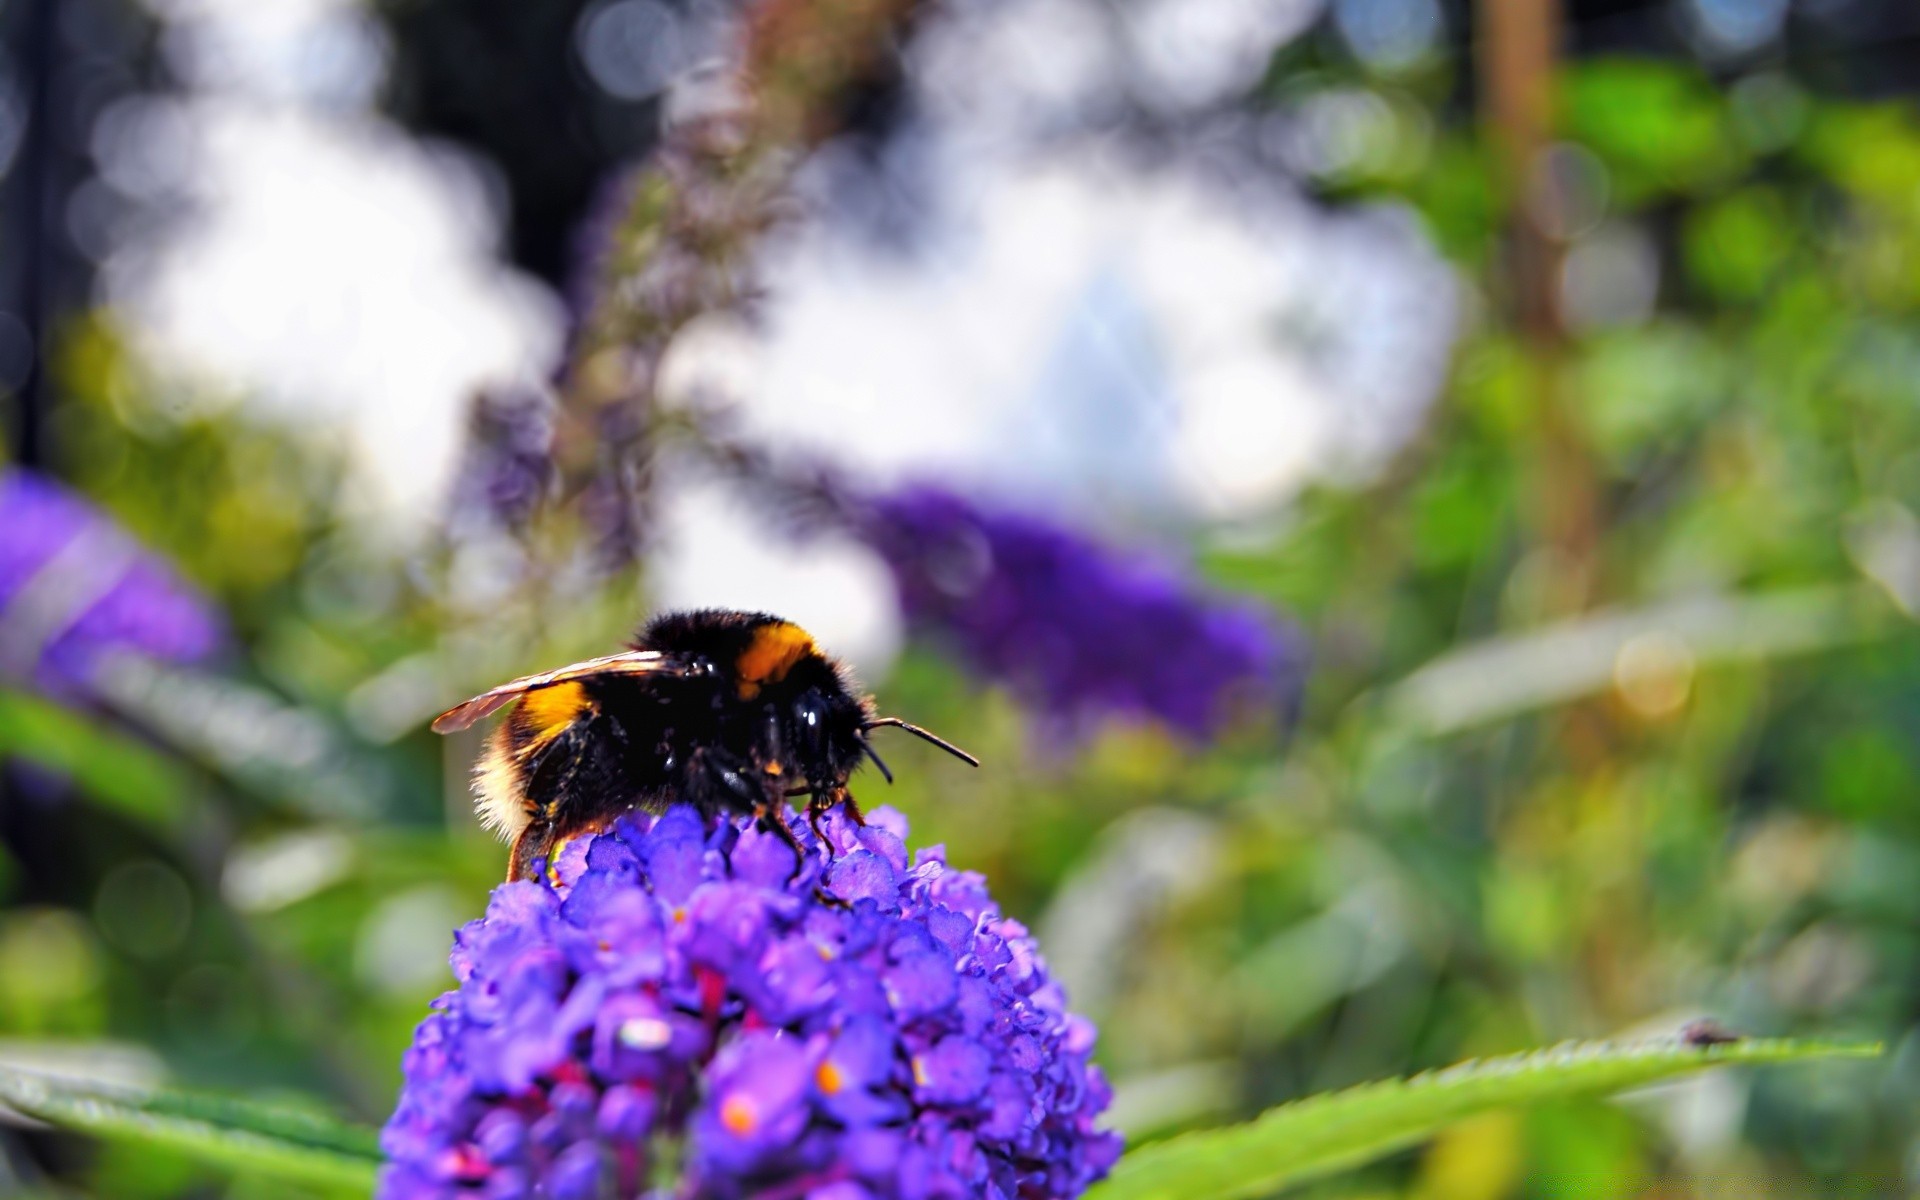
867 746
923 735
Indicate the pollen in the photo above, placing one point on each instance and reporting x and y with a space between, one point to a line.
738 1114
830 1078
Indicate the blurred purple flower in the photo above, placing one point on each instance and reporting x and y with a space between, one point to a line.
666 243
507 463
1078 628
674 1016
75 587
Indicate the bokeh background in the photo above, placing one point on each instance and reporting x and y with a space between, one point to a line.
1415 505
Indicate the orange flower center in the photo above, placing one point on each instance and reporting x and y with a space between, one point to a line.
830 1078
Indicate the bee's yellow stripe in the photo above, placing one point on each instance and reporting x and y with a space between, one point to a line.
500 781
546 712
770 655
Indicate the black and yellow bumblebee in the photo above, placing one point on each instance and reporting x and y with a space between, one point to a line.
731 712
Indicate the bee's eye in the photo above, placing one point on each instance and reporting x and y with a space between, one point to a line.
810 713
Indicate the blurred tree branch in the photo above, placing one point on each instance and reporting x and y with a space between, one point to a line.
1520 48
1517 67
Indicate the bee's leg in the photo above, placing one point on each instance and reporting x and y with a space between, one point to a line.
819 805
552 786
829 900
532 843
734 786
825 799
772 771
770 811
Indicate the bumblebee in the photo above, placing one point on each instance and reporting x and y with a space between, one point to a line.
731 712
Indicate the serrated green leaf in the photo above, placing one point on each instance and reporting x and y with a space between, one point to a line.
1338 1130
259 1138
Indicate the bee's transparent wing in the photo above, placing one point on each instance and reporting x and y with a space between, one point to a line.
630 662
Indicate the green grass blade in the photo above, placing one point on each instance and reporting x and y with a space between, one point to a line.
113 769
1338 1130
260 1139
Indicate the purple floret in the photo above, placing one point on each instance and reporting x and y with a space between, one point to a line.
75 588
1079 629
674 1016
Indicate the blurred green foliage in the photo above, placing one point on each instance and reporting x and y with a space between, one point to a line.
1392 885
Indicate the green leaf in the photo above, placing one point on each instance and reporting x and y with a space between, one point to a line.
113 769
258 1138
1338 1130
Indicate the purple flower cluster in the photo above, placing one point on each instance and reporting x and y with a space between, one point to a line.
75 587
677 1013
1078 628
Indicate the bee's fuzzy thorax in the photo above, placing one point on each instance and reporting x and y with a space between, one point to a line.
771 652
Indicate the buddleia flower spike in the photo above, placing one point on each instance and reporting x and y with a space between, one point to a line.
675 1013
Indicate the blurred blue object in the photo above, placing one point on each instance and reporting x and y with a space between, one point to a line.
76 588
1080 629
